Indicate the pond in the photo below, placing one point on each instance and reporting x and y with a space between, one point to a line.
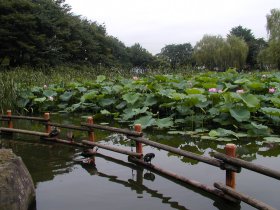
63 182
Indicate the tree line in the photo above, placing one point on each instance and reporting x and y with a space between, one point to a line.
45 33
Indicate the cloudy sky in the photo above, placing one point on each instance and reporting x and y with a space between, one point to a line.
156 23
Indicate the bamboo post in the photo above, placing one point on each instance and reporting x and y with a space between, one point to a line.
230 175
47 118
10 123
90 133
139 146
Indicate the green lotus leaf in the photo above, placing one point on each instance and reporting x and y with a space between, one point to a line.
131 98
150 100
167 92
145 121
250 100
178 96
49 93
81 89
117 88
256 86
242 81
164 122
22 102
121 105
221 132
66 96
105 112
106 102
89 96
271 111
240 114
195 91
40 100
272 139
27 94
276 102
100 78
36 89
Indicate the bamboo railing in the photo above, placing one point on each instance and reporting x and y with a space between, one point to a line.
227 162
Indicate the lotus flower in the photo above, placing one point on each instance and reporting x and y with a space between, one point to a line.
213 90
45 86
240 91
135 78
50 98
271 90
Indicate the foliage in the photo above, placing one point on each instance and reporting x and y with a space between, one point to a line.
255 45
45 33
214 52
221 101
177 55
273 28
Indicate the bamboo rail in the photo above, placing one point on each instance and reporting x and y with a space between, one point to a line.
251 166
23 118
191 155
14 130
62 141
72 127
240 196
114 149
113 129
183 179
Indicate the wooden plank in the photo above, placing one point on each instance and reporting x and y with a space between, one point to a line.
183 179
13 130
23 117
187 154
251 166
240 196
113 129
114 149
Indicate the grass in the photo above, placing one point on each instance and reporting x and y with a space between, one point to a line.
14 79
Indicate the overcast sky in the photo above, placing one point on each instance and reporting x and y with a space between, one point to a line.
156 23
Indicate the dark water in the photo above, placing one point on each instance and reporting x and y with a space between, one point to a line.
63 182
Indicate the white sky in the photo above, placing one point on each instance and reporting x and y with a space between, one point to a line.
156 23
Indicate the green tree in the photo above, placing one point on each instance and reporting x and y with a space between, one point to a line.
177 54
273 29
255 45
214 52
139 56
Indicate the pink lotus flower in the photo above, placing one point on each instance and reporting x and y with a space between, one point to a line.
213 90
45 86
135 78
50 98
240 91
271 90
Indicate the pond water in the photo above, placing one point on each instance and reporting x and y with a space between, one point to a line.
63 182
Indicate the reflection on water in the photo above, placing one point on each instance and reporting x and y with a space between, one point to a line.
64 180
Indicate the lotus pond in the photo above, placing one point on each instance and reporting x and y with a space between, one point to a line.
63 182
211 105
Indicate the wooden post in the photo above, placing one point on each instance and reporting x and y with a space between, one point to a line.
47 118
139 147
10 123
90 133
230 175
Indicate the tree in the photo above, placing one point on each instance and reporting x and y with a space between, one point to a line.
139 56
273 29
177 54
255 45
214 52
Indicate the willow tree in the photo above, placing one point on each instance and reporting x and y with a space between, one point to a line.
273 29
214 52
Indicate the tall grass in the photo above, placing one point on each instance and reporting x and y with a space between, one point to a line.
14 79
